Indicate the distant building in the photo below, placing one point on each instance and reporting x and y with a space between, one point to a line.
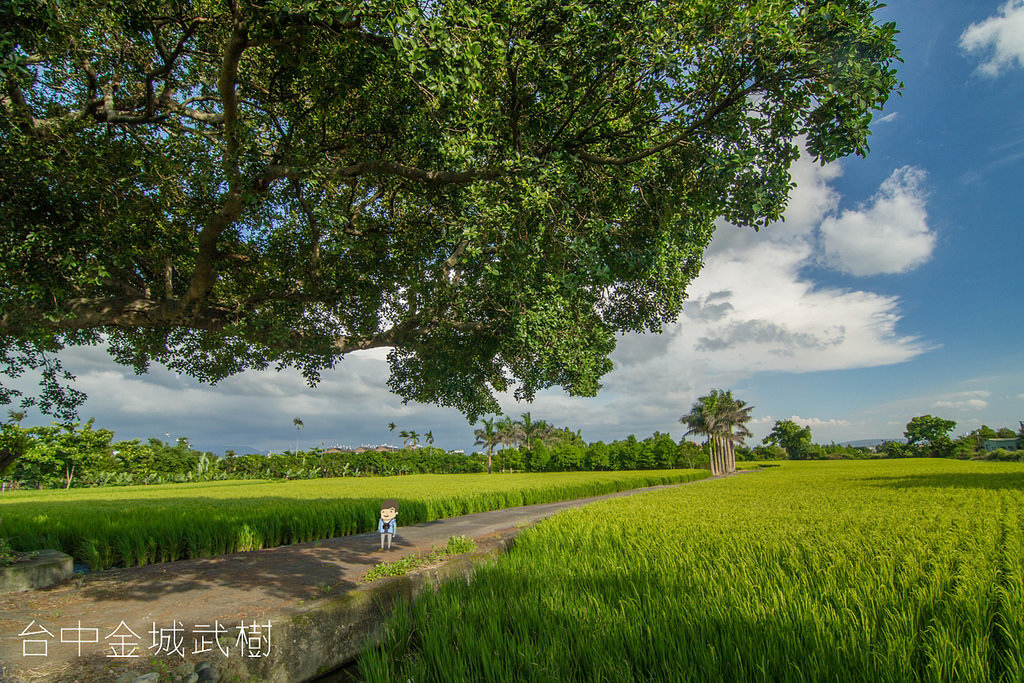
335 449
1014 444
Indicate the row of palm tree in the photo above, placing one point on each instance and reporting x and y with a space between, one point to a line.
506 432
411 438
722 418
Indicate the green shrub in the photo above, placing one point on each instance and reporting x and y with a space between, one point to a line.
7 555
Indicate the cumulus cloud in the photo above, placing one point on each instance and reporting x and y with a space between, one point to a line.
968 404
818 422
888 235
1000 38
766 332
710 307
751 310
964 400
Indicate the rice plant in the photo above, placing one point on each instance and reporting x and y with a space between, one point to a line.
136 525
909 570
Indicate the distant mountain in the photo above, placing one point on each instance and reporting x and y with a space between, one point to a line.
870 443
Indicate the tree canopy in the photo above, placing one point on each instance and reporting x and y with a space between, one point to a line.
492 190
931 434
796 440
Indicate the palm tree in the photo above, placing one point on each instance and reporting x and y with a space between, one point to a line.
509 434
722 418
16 416
487 436
533 430
429 438
298 425
414 437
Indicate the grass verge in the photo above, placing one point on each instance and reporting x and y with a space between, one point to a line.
456 546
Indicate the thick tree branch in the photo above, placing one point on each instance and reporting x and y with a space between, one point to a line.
228 96
204 274
119 311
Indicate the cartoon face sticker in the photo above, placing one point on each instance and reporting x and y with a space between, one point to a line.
388 510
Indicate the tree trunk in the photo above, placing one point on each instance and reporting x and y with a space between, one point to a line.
7 457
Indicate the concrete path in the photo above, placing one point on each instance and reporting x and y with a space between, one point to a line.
250 587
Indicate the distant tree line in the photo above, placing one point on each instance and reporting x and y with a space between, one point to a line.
77 455
926 436
73 454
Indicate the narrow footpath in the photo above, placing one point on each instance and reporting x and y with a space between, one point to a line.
168 617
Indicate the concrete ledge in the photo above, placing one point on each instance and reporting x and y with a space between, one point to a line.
332 632
44 568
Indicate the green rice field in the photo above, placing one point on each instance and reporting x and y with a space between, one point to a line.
892 570
137 525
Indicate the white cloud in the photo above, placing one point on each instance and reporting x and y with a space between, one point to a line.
751 310
818 422
888 117
890 235
968 404
1000 37
963 400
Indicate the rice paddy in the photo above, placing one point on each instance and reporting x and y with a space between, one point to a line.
137 525
895 570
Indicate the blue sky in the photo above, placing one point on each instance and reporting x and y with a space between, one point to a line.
893 289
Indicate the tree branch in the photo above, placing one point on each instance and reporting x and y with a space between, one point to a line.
724 104
204 274
381 167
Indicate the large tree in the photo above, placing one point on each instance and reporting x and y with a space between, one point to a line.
930 434
796 440
490 189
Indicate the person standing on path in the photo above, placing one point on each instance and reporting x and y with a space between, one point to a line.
387 524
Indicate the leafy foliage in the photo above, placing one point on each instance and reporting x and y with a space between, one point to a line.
492 190
7 555
931 435
796 440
